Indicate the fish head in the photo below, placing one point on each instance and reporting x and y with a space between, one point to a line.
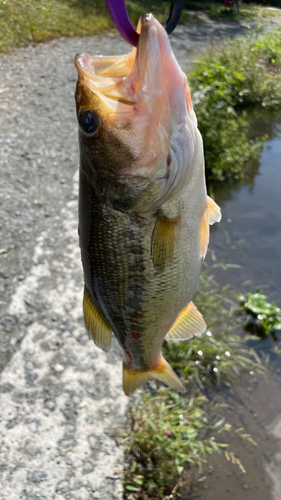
135 113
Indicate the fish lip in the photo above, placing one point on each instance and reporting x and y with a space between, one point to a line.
77 62
80 61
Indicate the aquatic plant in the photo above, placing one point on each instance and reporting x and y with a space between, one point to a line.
263 317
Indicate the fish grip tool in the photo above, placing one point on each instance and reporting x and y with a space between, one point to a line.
118 12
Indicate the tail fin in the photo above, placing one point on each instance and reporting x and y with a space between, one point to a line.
162 372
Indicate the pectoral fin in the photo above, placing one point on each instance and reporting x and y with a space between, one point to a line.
163 241
214 211
96 325
188 323
211 215
162 372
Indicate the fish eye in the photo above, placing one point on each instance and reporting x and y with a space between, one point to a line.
89 122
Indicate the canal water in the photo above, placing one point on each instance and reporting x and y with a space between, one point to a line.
249 236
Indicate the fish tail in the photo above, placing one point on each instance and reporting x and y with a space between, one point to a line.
162 372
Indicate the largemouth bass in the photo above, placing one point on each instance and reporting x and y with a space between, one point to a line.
144 213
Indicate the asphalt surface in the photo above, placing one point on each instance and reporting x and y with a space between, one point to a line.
61 399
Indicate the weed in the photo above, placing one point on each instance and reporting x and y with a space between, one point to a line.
167 433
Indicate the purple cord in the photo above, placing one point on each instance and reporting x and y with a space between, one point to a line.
119 15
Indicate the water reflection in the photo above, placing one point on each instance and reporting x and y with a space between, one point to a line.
250 231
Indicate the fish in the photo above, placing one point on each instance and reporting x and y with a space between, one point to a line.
144 213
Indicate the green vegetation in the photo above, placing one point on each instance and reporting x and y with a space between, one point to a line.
169 431
26 21
248 11
263 317
166 434
228 84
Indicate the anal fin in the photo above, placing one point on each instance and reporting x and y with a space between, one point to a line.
163 241
163 372
188 323
96 325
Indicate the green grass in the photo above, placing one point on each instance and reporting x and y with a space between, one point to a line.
27 21
169 432
227 84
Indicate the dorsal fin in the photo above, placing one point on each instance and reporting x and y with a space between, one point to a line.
188 323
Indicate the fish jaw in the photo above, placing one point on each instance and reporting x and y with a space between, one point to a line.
143 101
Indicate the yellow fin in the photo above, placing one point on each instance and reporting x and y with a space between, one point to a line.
212 214
96 325
162 372
163 242
214 211
188 323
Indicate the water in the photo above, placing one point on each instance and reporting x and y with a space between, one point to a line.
249 235
250 231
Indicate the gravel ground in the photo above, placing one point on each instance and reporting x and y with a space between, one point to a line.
61 400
